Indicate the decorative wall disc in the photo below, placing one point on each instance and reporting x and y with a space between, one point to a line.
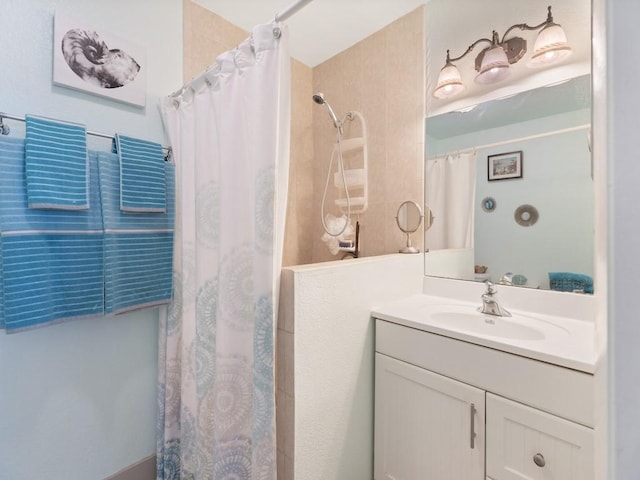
488 204
526 215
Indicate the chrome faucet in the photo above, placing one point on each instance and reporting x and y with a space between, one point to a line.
490 303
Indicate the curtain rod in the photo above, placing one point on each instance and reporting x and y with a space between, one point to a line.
4 130
291 10
521 139
280 16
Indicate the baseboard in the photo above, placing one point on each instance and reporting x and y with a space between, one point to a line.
144 469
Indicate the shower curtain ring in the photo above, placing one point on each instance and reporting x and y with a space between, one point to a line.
277 33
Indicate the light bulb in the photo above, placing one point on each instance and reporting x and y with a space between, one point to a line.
551 47
494 67
449 82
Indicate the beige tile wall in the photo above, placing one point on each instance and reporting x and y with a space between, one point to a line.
383 78
285 392
205 36
299 228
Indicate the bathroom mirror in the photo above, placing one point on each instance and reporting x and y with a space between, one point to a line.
409 219
546 115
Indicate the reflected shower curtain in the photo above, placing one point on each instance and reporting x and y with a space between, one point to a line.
230 134
450 193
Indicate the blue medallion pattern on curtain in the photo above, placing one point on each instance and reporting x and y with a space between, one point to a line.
216 392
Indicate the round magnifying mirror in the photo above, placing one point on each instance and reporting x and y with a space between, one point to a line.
409 219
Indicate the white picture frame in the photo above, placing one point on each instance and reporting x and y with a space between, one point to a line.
96 61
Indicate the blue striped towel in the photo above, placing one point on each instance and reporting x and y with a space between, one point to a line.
56 164
143 186
138 248
51 261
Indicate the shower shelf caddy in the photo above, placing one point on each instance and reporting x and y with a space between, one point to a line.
355 160
354 153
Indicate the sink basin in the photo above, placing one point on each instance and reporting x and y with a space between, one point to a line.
564 341
478 323
517 327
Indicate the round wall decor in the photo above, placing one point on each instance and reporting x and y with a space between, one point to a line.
488 204
526 215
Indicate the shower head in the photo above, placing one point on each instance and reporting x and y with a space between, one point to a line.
319 99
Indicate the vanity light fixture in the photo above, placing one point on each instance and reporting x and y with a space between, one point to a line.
492 63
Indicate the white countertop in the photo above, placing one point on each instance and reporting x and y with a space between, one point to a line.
565 342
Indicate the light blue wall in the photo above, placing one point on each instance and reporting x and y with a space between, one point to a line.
556 180
623 106
77 401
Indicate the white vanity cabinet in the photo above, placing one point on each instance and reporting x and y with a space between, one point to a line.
427 425
529 420
525 443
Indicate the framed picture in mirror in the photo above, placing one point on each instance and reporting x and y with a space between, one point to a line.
504 166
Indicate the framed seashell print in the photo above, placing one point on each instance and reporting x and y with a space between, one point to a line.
96 61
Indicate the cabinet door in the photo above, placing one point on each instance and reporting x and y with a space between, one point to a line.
526 444
427 427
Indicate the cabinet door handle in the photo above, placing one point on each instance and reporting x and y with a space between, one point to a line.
539 460
472 425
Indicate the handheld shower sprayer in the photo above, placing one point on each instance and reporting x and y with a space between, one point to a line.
319 99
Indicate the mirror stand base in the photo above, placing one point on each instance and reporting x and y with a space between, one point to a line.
409 249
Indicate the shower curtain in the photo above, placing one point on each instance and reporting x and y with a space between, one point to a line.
229 130
450 193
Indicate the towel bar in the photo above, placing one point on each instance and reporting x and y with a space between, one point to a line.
5 130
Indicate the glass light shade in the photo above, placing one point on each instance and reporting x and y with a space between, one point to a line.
494 67
551 47
449 82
